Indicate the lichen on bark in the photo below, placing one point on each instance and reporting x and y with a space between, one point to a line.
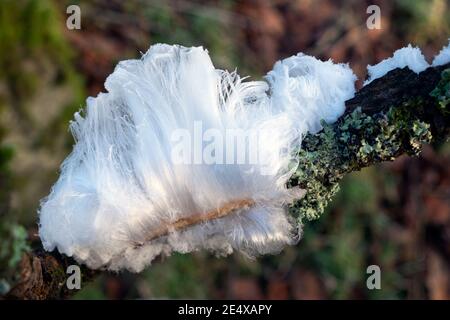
442 92
359 139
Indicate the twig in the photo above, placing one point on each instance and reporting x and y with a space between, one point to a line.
198 218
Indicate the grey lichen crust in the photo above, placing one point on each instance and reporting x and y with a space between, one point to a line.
360 139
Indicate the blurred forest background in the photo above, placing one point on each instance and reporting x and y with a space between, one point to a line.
395 215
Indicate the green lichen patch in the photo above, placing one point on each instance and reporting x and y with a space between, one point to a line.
442 91
357 140
316 173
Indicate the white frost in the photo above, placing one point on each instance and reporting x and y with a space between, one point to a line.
120 184
409 56
443 57
311 90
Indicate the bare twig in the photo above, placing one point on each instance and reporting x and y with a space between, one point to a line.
198 218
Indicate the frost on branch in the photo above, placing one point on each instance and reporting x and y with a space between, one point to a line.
121 200
443 57
409 56
385 119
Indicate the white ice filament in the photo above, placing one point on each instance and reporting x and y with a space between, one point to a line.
121 184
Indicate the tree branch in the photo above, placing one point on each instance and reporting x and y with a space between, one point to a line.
391 116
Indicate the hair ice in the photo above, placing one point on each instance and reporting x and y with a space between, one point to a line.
443 57
409 56
119 186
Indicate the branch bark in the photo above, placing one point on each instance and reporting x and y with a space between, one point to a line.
391 116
